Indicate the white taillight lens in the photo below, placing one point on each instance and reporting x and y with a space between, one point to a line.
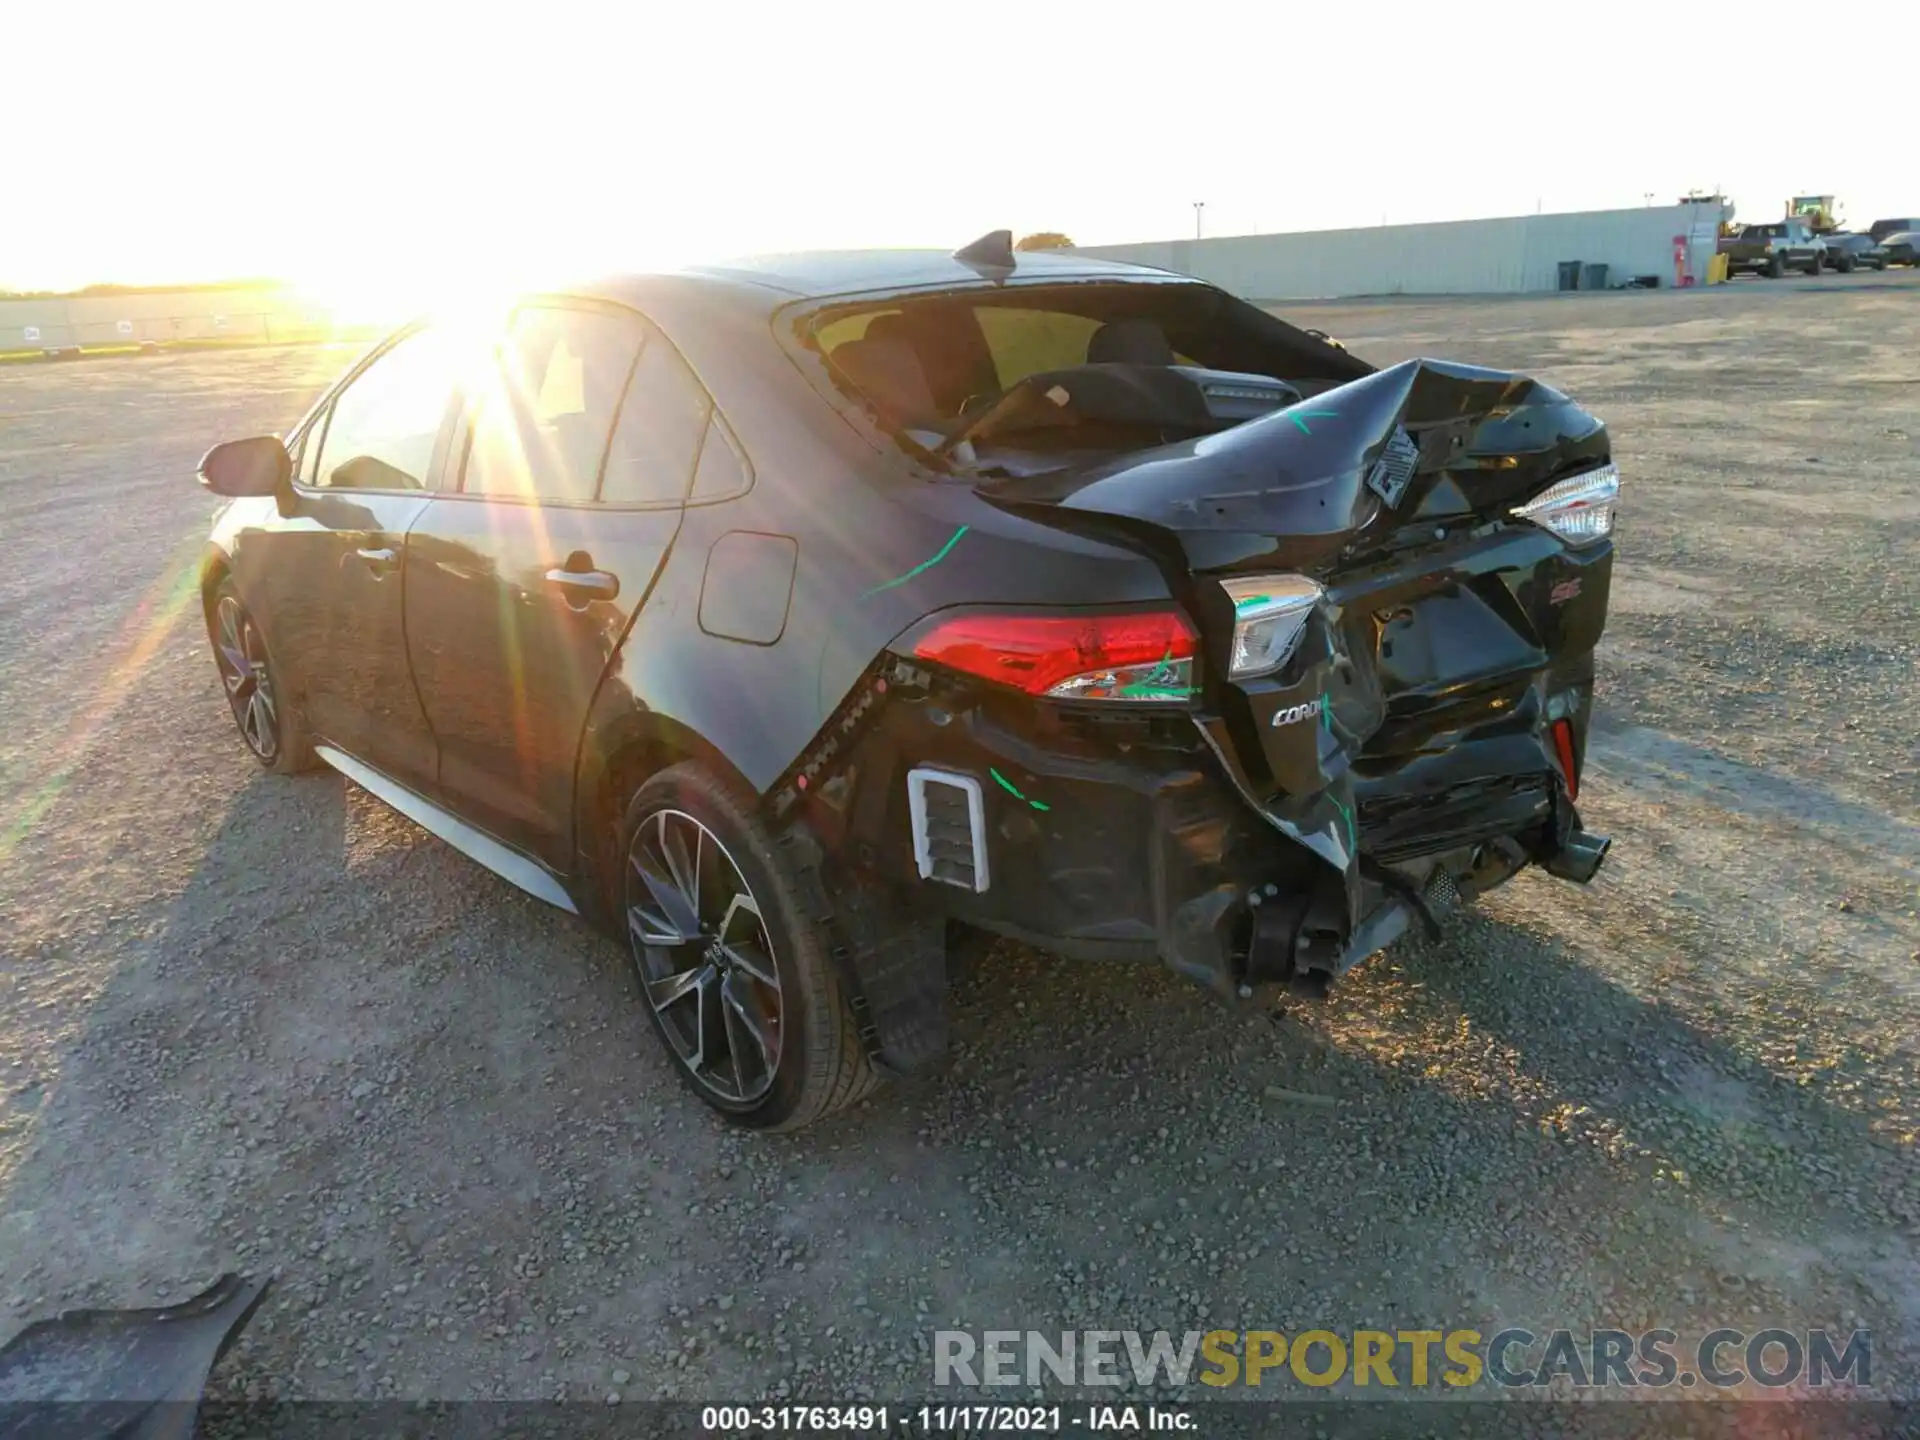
1163 679
1269 617
1578 509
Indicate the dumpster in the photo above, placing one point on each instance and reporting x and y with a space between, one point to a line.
1595 278
1569 274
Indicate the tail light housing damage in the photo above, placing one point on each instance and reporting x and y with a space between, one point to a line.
1269 616
1144 657
1579 509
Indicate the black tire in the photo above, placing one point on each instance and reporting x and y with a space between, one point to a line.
1776 266
1817 263
808 1061
263 710
1844 264
1880 265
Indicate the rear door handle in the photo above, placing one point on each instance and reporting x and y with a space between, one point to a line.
581 586
378 561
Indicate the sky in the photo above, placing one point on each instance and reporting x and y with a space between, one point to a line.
398 150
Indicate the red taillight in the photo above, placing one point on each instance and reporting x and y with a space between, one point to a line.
1563 746
1035 653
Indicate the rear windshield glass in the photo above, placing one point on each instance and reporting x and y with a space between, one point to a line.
927 363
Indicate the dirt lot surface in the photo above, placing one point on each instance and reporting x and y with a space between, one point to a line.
266 1024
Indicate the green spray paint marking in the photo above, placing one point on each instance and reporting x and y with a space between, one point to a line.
1326 715
924 565
1155 686
1014 790
1301 418
1353 831
1250 602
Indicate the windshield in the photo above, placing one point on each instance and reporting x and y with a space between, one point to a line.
930 366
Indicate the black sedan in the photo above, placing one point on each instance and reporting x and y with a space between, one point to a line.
1902 247
1847 253
803 620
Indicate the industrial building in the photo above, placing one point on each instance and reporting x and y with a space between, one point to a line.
1665 245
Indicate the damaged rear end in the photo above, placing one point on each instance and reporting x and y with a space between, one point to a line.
1365 697
1398 586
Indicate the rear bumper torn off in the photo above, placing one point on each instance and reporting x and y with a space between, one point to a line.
1150 845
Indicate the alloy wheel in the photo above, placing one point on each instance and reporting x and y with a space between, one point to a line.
242 657
704 956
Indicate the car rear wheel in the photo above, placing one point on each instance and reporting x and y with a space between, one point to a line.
268 722
731 956
1817 264
1844 264
1776 267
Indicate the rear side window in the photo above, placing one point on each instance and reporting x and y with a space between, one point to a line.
384 426
540 414
723 470
663 423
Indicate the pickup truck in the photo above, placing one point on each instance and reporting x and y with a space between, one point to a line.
1774 248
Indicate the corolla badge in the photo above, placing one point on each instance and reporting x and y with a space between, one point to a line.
1294 714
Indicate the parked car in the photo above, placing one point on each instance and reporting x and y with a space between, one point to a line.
1847 253
1902 247
1881 229
796 619
1774 248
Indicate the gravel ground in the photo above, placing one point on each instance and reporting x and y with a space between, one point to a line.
266 1024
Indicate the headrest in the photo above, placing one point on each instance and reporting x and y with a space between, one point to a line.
1130 342
892 326
889 374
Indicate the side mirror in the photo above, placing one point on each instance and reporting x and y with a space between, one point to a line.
238 468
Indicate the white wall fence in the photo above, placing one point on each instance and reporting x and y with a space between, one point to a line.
1514 254
256 316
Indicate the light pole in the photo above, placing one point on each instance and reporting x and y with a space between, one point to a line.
1198 206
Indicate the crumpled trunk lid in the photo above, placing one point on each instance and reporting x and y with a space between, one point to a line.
1416 714
1421 442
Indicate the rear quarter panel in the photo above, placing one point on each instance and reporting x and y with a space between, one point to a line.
861 516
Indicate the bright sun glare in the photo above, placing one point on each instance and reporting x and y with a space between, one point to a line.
369 295
387 163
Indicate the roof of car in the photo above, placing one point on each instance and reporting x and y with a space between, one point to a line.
819 274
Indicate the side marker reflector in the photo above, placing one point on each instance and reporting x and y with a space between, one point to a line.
1563 747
